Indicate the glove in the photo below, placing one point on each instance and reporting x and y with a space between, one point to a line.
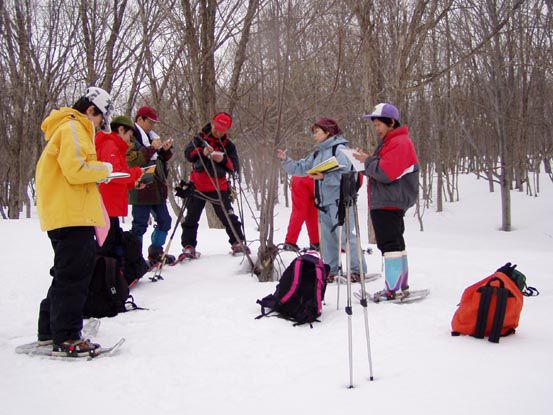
109 167
507 269
184 189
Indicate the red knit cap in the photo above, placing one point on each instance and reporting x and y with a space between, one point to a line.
221 122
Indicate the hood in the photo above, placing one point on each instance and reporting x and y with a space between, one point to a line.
102 137
58 117
332 141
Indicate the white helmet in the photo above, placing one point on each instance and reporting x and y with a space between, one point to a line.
102 100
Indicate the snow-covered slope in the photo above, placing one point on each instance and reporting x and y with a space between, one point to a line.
199 350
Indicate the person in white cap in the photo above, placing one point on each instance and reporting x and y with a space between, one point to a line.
69 207
393 172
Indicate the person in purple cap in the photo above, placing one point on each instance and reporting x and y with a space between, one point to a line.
328 136
393 172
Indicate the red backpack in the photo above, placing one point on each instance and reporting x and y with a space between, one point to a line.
490 307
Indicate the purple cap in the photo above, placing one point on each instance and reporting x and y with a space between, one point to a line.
383 110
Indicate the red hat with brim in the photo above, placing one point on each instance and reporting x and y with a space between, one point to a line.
148 112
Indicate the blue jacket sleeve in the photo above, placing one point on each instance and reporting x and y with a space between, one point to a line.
298 167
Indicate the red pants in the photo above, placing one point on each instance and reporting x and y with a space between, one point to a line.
303 210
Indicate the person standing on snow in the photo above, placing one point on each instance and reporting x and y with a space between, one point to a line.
213 156
112 147
329 139
147 149
69 207
303 211
393 172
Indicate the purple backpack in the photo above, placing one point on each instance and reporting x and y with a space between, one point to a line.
300 292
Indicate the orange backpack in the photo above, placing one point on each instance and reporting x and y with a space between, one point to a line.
490 307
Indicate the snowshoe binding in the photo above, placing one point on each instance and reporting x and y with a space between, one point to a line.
188 253
239 248
286 246
155 255
383 295
76 348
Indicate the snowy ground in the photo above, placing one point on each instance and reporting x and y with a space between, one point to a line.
198 350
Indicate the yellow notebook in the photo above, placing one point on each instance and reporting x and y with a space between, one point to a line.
326 166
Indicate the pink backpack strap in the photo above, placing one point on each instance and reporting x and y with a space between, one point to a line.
295 282
319 267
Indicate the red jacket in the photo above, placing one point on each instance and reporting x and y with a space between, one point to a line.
208 180
112 149
393 172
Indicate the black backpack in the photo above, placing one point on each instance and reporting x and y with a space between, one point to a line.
134 265
108 292
300 292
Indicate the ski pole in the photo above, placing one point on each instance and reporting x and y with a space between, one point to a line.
349 310
340 272
239 202
157 275
231 226
363 290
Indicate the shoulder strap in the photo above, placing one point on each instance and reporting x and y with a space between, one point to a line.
500 308
486 293
319 272
335 146
295 282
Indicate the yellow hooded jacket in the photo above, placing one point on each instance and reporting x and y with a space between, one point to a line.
67 173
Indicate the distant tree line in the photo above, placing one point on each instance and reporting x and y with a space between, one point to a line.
473 80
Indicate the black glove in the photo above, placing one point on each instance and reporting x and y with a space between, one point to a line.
184 189
507 269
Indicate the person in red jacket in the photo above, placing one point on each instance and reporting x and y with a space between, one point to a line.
112 148
213 157
303 211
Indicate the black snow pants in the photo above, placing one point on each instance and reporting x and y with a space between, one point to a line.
194 211
60 316
388 228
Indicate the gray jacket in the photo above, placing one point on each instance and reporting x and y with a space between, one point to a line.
329 187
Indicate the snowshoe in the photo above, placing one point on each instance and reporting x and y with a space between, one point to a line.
315 247
76 348
188 253
355 277
400 297
290 247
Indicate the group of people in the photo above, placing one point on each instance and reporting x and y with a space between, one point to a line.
76 190
393 174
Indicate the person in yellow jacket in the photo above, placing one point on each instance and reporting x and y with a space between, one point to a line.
69 206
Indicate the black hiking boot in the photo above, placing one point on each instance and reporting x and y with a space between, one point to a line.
155 253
